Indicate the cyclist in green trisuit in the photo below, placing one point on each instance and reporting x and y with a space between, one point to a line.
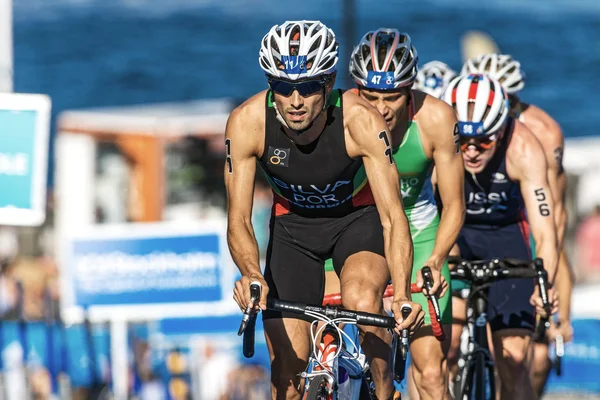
424 146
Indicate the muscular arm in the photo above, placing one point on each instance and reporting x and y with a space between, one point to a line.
527 164
240 167
449 171
564 274
550 136
369 139
553 144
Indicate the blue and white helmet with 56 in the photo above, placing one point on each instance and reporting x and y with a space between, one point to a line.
384 59
297 50
433 78
480 103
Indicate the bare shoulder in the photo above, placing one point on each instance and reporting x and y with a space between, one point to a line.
246 123
543 126
433 115
524 150
354 105
360 117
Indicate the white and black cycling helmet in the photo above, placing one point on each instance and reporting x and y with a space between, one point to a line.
296 50
501 67
384 59
480 103
433 78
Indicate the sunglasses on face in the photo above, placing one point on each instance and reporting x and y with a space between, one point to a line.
484 143
304 88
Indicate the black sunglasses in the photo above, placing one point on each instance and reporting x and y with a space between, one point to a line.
304 88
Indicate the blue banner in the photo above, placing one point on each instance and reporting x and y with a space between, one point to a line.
24 135
146 270
17 145
581 362
57 349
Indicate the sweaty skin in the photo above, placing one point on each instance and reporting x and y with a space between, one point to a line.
365 133
433 124
550 135
526 164
440 144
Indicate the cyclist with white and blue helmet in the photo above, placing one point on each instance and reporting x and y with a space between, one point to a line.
509 73
424 144
508 199
317 146
433 78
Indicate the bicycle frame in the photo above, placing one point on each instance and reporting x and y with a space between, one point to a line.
478 373
478 357
334 354
347 362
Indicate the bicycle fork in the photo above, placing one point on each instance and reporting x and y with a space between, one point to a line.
478 375
343 373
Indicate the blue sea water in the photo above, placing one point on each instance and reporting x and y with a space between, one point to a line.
87 53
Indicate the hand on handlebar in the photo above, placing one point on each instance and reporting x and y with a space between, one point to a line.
565 329
241 293
439 286
536 301
413 321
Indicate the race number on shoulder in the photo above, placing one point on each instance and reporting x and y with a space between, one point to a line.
228 155
456 137
388 148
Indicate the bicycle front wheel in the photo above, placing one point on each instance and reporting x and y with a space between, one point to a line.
477 379
482 385
319 389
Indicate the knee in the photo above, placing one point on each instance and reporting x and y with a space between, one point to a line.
431 377
285 382
513 364
358 298
514 357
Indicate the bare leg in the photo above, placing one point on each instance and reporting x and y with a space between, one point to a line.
363 280
512 348
429 364
541 368
288 340
459 320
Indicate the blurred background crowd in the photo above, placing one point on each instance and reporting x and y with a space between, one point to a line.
140 93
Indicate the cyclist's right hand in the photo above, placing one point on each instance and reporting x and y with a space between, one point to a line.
241 292
414 320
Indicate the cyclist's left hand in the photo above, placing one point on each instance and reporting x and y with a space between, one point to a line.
439 282
565 330
536 301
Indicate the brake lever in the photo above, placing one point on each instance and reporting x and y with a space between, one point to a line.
428 284
559 348
401 352
406 310
255 289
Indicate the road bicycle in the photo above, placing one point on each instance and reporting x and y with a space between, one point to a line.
337 367
475 378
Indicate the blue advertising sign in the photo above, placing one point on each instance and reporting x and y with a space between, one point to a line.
148 266
24 135
581 362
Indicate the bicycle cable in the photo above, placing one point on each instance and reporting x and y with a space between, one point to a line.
341 334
